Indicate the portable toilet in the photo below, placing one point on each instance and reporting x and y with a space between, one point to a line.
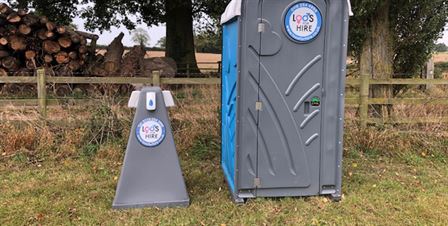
283 79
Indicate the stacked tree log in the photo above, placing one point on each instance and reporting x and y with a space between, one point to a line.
29 41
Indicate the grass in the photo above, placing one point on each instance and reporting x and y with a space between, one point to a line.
379 191
53 175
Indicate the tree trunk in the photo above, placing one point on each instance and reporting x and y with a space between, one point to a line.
113 56
179 34
377 57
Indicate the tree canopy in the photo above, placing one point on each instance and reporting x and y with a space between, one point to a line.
140 37
441 47
415 27
104 14
61 11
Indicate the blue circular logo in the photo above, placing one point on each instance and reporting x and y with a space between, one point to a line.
150 132
303 21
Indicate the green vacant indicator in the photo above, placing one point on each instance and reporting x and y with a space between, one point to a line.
315 101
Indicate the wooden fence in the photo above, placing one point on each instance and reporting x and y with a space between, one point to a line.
362 101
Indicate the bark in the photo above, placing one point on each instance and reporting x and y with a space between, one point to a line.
112 59
3 72
22 12
28 41
164 64
83 49
179 34
3 54
73 55
30 20
23 72
5 9
43 19
10 63
74 65
377 57
133 62
30 64
41 34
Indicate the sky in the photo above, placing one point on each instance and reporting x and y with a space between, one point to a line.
445 37
157 32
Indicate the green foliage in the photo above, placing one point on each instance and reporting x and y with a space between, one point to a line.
102 127
415 26
441 47
140 37
440 69
161 43
205 148
60 11
208 42
360 24
104 14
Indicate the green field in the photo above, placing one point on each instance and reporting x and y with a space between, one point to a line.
66 174
377 190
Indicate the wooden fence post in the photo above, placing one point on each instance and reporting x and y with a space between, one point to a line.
364 100
156 78
42 92
429 74
219 67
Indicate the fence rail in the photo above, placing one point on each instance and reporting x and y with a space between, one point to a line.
362 101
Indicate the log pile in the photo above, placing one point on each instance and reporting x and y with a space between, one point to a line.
28 41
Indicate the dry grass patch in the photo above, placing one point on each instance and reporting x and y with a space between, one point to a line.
390 177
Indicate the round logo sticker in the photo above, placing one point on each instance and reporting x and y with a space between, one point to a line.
150 132
303 21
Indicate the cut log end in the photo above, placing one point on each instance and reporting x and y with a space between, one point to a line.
13 18
51 46
48 59
62 57
65 42
30 54
3 72
50 26
24 29
61 30
10 63
4 41
17 43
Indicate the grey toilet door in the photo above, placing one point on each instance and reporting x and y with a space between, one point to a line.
291 96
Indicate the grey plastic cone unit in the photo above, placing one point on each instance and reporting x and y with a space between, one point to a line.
151 175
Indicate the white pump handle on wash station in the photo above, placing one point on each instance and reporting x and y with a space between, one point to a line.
167 97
